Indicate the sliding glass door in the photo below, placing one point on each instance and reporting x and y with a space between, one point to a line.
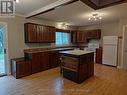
2 50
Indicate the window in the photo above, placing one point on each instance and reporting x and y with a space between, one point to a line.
62 38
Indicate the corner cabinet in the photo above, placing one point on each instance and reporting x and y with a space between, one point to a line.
35 33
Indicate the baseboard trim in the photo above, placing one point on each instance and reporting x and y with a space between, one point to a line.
119 67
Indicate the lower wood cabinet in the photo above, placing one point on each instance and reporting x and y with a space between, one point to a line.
44 60
54 59
20 67
99 55
77 68
35 62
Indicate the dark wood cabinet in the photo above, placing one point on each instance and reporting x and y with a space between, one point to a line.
54 59
49 33
77 67
84 36
78 37
40 61
35 33
99 55
40 30
81 38
35 62
30 33
20 67
44 60
94 34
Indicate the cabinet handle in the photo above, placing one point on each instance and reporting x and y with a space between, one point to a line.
5 51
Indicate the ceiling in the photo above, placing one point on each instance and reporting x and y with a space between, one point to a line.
26 6
74 14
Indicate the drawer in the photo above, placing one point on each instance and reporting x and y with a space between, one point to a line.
70 62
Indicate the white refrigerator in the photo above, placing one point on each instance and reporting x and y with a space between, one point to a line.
110 50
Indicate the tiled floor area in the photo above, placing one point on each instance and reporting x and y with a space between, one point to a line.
2 68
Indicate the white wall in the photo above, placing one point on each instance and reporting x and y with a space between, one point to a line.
107 29
15 32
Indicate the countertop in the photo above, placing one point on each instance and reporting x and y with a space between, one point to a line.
76 52
45 50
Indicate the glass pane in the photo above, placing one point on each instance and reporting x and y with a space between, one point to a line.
2 65
62 38
65 38
58 38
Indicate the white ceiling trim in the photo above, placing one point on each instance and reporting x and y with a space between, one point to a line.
48 7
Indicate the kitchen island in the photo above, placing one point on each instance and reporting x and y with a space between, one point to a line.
77 65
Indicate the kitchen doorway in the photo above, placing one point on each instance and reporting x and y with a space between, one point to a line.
2 49
124 48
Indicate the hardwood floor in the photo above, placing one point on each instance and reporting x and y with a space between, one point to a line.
107 81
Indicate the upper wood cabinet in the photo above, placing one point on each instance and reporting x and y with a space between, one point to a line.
30 32
83 36
78 37
35 33
94 34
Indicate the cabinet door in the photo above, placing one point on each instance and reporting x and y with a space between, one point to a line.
31 32
35 62
74 37
99 55
39 33
44 61
94 34
90 64
83 72
48 34
52 34
44 34
81 37
23 68
54 59
98 33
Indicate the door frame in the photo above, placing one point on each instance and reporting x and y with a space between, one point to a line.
6 58
122 50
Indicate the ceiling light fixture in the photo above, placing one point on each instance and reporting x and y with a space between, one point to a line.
63 25
95 17
17 1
